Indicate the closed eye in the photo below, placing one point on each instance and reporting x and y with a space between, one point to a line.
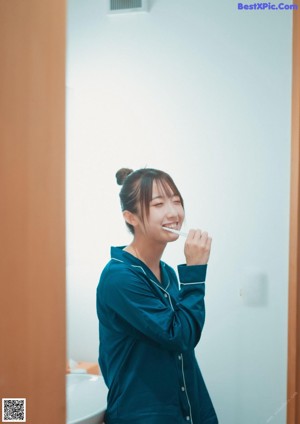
176 200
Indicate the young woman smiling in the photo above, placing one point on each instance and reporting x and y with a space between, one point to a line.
149 324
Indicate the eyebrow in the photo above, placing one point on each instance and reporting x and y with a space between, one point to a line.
161 197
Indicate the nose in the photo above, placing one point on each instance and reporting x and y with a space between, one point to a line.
172 210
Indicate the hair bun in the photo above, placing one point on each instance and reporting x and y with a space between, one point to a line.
122 174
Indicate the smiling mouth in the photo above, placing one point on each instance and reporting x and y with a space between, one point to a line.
173 226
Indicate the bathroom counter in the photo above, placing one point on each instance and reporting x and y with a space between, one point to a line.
90 367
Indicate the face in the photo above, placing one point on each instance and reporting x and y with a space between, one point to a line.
165 210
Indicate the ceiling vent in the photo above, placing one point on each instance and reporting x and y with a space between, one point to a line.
123 6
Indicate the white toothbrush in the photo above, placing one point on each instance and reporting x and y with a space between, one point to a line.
180 233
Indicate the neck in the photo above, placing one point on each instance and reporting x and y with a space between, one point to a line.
148 251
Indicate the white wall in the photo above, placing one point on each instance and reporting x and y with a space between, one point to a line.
202 91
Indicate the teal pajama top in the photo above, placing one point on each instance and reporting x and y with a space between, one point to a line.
148 331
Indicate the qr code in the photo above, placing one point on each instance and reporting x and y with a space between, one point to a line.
13 410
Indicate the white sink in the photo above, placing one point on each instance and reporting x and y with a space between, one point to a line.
86 399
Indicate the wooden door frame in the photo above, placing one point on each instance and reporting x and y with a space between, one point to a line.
293 375
32 207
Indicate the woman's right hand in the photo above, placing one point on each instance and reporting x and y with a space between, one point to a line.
197 247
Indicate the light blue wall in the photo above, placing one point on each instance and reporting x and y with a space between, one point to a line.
201 90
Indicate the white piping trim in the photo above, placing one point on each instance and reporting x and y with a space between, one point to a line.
136 266
164 265
139 266
186 389
165 292
168 283
117 260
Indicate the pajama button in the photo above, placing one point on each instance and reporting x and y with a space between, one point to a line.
179 357
165 295
182 388
188 418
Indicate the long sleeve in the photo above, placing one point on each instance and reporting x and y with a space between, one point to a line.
174 323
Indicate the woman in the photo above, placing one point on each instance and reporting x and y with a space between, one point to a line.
148 325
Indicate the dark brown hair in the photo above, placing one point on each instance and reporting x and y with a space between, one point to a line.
137 189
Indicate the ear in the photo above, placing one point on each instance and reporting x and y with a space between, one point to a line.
131 218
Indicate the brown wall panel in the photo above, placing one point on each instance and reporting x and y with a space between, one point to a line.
293 383
32 206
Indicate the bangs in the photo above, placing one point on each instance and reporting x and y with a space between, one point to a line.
167 187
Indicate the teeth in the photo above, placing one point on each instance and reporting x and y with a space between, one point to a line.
171 226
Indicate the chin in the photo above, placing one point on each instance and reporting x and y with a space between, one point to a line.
172 237
171 241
